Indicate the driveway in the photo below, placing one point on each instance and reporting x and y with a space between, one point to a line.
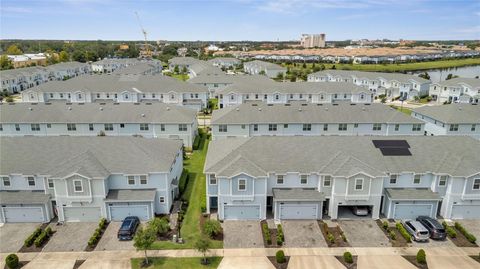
12 235
314 262
384 261
433 243
109 240
472 226
448 262
363 233
245 263
57 264
71 236
106 264
242 234
303 233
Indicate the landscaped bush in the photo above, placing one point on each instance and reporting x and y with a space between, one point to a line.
203 202
393 235
280 256
196 142
280 235
266 233
102 223
450 231
29 241
11 261
385 224
41 239
347 257
212 228
182 184
344 237
421 256
160 225
470 237
404 232
330 237
95 237
49 231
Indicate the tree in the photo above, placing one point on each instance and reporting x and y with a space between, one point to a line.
159 225
14 50
425 75
202 245
212 227
79 56
280 76
5 63
176 69
144 239
184 70
304 65
333 67
262 72
450 76
63 56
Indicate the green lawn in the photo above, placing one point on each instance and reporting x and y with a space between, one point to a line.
182 77
195 193
177 263
405 110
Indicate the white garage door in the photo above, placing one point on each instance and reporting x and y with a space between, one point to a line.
411 211
298 211
119 213
241 212
86 214
23 214
466 212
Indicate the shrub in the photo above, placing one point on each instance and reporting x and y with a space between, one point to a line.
330 237
385 224
280 256
280 235
212 227
11 261
29 241
344 237
404 232
266 233
347 257
393 235
41 239
421 256
102 223
92 242
470 237
159 225
49 231
196 142
182 184
450 231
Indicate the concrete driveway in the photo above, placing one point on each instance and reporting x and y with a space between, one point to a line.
12 235
448 262
106 264
245 263
384 261
303 233
363 233
71 236
314 262
109 240
472 226
57 264
242 234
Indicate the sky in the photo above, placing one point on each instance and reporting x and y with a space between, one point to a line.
223 20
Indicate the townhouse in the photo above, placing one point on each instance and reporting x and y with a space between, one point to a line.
456 90
225 62
203 68
64 71
182 63
271 70
86 178
151 120
107 65
120 88
452 119
215 82
143 68
306 119
260 88
390 84
307 177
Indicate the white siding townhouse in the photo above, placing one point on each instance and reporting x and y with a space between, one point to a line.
203 68
306 119
271 70
86 178
64 71
226 62
390 84
182 62
258 88
151 120
143 68
457 90
107 65
301 177
452 119
120 88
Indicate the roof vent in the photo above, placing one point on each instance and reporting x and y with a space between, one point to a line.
367 104
299 109
304 104
68 103
102 104
326 108
353 104
254 104
143 115
334 104
259 109
116 103
168 108
269 104
30 108
148 104
459 108
287 104
237 109
136 103
363 108
101 108
69 108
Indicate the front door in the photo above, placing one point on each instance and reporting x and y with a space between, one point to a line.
325 207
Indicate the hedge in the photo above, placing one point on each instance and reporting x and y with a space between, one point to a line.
280 256
450 231
393 235
96 235
196 142
280 235
385 224
266 233
470 237
330 237
41 238
347 257
11 261
404 232
421 256
182 183
29 241
212 227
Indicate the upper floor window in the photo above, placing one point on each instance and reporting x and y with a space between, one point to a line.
473 128
71 127
182 127
108 127
242 184
359 184
377 126
131 180
50 183
416 179
325 127
303 179
161 199
213 180
355 125
416 127
397 127
31 181
342 127
255 127
6 181
393 179
162 127
222 128
272 127
277 97
279 179
1 127
35 127
143 180
476 184
453 127
143 126
307 127
90 127
442 181
17 127
327 181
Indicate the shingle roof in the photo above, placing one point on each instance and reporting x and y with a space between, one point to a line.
297 194
139 68
131 195
403 78
452 113
23 197
412 194
266 65
473 82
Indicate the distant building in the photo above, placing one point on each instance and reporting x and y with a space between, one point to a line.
26 60
124 47
312 41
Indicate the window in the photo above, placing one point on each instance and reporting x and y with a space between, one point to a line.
473 128
49 125
1 127
272 127
285 126
153 95
243 126
277 97
342 127
108 127
122 125
255 127
6 181
279 179
143 180
61 95
17 127
355 125
161 199
144 127
242 184
71 127
307 127
327 181
397 127
377 126
51 95
131 180
162 127
35 127
393 179
416 127
108 95
359 184
442 181
325 127
79 96
77 186
98 95
222 128
50 183
476 184
182 127
303 179
416 179
453 127
90 127
301 96
213 180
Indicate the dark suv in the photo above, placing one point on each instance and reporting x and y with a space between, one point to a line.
128 228
435 229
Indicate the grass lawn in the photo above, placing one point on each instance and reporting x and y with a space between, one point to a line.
177 263
195 193
405 110
182 77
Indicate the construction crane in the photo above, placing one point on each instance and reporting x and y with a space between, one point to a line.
145 53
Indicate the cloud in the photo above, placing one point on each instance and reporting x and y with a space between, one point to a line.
470 30
295 6
22 10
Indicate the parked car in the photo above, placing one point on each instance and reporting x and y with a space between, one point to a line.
360 210
434 227
128 228
416 229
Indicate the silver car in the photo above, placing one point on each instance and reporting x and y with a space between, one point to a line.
416 229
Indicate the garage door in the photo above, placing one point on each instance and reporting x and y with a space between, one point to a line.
466 212
303 211
23 214
119 213
241 212
412 211
87 214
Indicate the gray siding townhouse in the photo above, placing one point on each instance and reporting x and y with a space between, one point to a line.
256 67
225 62
203 68
107 66
143 68
456 90
182 62
86 178
122 89
306 119
303 177
452 119
390 84
63 71
151 120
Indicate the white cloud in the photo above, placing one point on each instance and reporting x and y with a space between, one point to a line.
470 30
295 6
4 10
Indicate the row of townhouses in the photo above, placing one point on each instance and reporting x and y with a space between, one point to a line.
86 178
306 119
225 62
271 70
150 120
308 177
457 90
108 65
